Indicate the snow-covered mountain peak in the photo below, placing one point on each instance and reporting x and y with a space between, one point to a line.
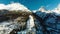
17 6
13 6
57 10
42 9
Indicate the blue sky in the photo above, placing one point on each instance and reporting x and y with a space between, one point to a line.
35 4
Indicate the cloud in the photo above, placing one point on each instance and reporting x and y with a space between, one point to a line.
14 6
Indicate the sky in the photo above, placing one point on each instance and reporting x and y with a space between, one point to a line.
34 4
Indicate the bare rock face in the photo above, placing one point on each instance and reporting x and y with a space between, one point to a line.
7 15
24 25
14 21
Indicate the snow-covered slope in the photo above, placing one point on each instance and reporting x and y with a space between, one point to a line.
7 27
57 10
13 6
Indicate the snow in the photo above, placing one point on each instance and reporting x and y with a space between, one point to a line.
57 10
2 6
7 27
14 6
42 9
34 11
30 22
42 12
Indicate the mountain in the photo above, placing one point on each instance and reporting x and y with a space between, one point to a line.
15 18
13 6
50 20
